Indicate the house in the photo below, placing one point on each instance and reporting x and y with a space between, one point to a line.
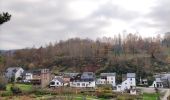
107 78
86 79
161 80
143 81
128 83
67 76
166 80
158 82
14 72
27 76
41 77
57 82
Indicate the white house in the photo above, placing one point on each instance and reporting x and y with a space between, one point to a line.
14 72
107 78
158 83
87 79
57 82
27 76
129 83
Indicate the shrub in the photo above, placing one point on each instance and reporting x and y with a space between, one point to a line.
15 90
12 79
2 86
41 92
19 79
105 88
3 83
4 94
105 95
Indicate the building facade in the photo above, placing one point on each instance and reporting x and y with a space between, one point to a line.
14 72
86 80
107 78
128 83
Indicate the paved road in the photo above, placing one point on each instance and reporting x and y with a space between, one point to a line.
146 89
167 93
164 91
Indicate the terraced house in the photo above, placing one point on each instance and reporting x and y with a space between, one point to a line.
86 79
107 78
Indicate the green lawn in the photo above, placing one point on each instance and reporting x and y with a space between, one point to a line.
153 96
23 87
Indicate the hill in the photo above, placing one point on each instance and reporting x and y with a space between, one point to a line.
144 56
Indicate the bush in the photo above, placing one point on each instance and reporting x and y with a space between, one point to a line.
2 86
42 92
39 92
3 83
105 95
19 78
4 94
15 90
105 88
87 92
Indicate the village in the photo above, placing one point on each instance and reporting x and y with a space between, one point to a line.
43 78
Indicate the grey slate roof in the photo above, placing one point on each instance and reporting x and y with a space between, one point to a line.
166 76
59 79
158 80
131 75
28 71
87 75
13 69
71 74
107 74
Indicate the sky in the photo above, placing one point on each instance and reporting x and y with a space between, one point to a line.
38 22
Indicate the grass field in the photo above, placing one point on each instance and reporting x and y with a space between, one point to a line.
153 96
23 87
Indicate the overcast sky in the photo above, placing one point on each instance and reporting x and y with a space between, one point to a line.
38 22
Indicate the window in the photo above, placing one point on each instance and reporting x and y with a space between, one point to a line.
57 83
52 83
111 78
131 79
78 84
83 84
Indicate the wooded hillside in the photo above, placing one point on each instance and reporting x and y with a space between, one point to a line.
132 53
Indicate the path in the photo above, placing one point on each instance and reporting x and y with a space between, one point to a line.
166 95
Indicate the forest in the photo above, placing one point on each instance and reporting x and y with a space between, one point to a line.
121 54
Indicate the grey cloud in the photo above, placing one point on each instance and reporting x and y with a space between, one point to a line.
161 15
113 11
43 22
38 22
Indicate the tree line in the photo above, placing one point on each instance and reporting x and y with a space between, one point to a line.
79 53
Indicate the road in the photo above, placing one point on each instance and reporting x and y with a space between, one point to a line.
165 92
